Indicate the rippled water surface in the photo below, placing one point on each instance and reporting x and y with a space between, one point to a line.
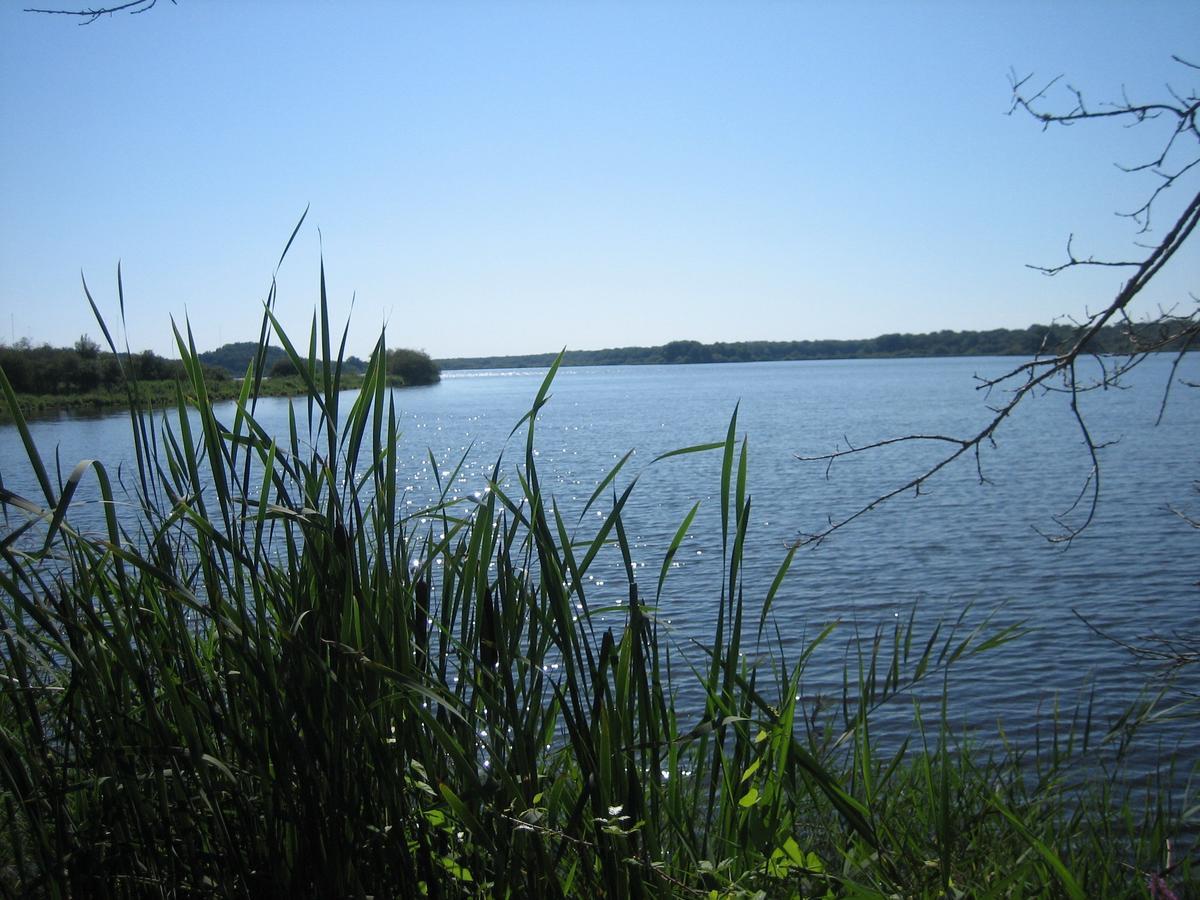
960 544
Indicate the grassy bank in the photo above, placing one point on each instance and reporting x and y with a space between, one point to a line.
157 394
84 379
268 681
163 394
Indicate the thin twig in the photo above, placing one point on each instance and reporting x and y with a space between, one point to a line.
91 15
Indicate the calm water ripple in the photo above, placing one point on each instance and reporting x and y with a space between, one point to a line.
1132 573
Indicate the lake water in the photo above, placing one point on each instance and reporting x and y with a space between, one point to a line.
960 544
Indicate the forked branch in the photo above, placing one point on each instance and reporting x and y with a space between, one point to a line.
1056 370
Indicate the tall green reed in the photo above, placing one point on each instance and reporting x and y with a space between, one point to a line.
268 679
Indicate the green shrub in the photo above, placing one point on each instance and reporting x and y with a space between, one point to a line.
283 368
412 367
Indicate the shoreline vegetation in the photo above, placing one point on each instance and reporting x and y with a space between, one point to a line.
1028 342
83 379
263 678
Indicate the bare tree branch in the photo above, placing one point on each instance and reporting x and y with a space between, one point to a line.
1056 371
133 7
1073 260
1169 652
1184 110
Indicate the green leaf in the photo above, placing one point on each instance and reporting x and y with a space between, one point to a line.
698 448
792 849
750 770
462 873
680 534
1074 891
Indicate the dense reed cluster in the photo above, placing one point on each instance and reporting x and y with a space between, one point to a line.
260 678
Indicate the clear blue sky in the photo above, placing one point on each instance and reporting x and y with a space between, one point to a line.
516 177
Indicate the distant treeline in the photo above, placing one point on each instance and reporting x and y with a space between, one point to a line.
997 342
82 369
406 367
235 358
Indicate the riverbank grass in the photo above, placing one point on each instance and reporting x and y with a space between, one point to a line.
158 394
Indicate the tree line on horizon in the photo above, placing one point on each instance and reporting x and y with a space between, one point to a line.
85 368
404 367
1036 339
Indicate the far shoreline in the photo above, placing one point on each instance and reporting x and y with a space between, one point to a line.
161 395
1036 340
